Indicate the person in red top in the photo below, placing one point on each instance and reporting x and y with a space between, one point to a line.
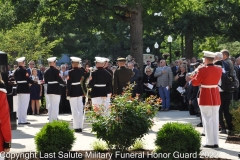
207 76
5 126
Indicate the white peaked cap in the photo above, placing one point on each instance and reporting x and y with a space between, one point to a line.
75 59
209 54
21 59
100 59
106 59
52 59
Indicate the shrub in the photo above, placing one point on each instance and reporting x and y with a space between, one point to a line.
129 119
43 105
179 137
54 137
99 145
235 111
234 105
138 145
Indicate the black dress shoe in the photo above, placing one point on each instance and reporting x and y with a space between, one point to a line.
208 146
202 134
216 146
223 131
24 123
78 130
199 125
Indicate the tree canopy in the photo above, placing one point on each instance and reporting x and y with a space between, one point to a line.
88 28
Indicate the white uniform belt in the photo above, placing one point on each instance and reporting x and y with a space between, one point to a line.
209 86
76 83
100 85
53 82
21 81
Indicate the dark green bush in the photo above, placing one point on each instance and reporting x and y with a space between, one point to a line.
179 137
129 120
235 112
54 137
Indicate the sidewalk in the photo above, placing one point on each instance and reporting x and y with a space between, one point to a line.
23 137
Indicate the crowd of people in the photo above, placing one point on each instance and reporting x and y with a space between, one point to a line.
67 87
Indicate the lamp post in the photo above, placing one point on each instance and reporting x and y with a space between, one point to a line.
148 50
158 14
170 49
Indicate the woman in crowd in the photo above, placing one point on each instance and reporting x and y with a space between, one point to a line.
181 80
149 81
35 93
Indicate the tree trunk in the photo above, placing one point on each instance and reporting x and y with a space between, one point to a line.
189 44
136 39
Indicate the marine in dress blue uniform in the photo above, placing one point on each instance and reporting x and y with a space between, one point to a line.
110 89
100 82
23 92
53 79
75 93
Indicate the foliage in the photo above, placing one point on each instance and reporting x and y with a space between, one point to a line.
54 137
233 47
138 145
43 105
25 40
129 119
178 137
99 146
235 111
104 33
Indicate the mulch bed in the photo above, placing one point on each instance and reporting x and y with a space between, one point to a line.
93 155
233 139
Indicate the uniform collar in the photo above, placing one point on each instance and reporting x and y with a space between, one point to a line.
210 64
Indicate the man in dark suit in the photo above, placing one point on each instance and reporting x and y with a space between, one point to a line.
154 64
31 65
175 68
192 97
148 63
236 68
121 76
134 79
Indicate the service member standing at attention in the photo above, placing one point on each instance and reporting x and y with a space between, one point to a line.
100 82
23 92
75 93
207 77
108 100
53 78
122 76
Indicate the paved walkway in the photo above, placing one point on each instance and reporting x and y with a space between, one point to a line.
23 137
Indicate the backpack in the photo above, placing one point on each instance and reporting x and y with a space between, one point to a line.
229 82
